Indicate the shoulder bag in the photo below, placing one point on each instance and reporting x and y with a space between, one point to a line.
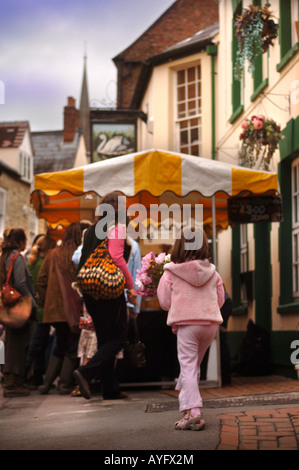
9 295
99 277
15 309
72 302
134 352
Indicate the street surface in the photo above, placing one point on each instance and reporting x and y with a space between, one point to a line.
258 415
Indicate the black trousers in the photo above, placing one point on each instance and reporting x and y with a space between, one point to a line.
110 322
66 341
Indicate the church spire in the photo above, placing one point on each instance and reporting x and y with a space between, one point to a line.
84 108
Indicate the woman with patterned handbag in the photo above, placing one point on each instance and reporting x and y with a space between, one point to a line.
16 339
109 316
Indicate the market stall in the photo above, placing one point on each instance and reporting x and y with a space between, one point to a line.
150 178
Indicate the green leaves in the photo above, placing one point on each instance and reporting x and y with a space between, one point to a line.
255 31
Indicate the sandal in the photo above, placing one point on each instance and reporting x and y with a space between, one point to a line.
76 392
190 422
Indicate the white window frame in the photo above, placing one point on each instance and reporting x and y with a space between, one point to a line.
26 166
33 224
243 259
192 118
2 210
243 248
295 227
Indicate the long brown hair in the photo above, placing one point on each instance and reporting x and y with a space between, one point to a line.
113 200
40 247
12 240
71 241
179 253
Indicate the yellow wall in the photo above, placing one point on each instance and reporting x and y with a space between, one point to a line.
159 104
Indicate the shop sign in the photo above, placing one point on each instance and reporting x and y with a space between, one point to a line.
253 209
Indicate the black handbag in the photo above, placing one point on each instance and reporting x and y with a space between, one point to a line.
134 352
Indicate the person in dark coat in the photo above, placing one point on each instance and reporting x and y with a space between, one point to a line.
64 359
16 340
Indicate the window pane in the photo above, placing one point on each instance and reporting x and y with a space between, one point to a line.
195 150
199 106
181 110
29 169
194 135
199 89
295 209
191 74
181 77
191 91
295 247
181 94
191 108
184 137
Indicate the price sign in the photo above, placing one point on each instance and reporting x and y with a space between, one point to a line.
244 210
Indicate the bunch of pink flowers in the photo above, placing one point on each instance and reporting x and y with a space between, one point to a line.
256 121
260 138
148 277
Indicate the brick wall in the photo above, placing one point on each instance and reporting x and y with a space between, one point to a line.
183 19
71 120
17 202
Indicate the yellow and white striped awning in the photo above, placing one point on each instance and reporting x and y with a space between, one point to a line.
66 196
157 171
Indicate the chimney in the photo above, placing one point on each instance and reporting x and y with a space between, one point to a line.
71 120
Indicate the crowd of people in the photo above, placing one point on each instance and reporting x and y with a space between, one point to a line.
51 345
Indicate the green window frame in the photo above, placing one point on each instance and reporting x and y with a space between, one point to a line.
287 49
259 84
239 308
237 106
289 151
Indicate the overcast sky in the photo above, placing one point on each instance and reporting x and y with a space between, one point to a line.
42 45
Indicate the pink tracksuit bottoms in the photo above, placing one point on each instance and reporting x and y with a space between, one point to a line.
192 343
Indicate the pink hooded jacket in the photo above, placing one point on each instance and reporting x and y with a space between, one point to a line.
191 292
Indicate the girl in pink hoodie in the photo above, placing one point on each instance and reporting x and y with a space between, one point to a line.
192 292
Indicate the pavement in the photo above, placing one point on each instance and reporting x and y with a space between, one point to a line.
275 426
253 413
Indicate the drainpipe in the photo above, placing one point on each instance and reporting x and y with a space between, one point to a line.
212 51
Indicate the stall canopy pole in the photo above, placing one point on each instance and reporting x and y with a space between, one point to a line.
214 230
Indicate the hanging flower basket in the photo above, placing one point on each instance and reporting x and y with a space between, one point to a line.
260 138
255 31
